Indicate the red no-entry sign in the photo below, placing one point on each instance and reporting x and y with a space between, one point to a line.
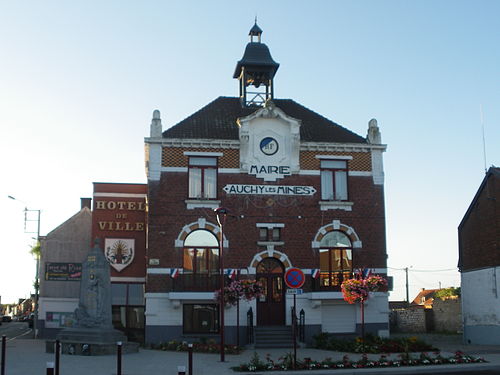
294 278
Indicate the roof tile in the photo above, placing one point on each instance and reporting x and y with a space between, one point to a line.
217 120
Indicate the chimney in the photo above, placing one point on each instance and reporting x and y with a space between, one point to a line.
86 202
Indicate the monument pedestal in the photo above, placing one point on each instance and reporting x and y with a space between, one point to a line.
91 341
93 333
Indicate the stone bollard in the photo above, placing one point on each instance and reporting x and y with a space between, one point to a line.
57 351
190 359
119 358
4 345
50 368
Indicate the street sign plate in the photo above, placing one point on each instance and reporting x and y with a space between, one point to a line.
294 278
294 291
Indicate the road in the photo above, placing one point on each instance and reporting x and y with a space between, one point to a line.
477 372
15 330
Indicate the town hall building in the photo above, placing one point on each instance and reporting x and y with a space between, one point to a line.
299 191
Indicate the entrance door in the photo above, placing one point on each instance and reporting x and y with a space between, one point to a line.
271 306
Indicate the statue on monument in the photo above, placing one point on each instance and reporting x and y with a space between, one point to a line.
93 333
94 308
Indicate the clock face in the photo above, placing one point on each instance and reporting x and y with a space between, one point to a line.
269 146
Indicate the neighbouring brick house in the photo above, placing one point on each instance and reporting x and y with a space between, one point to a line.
301 191
424 298
62 252
479 263
118 220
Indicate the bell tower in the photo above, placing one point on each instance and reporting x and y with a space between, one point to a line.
255 71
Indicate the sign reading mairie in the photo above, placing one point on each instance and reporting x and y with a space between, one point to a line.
269 144
269 189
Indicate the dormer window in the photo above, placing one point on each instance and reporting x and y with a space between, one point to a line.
202 177
333 180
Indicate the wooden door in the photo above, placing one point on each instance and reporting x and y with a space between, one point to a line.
271 306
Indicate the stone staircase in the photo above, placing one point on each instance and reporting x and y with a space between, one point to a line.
273 337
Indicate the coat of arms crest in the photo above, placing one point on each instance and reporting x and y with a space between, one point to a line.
119 252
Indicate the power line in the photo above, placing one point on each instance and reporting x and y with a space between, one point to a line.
413 269
445 270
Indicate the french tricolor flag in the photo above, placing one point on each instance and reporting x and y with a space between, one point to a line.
231 272
174 272
315 273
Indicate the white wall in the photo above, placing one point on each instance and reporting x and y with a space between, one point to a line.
47 304
162 311
318 311
481 297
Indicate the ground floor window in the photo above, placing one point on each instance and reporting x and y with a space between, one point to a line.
335 265
128 310
199 318
335 259
130 320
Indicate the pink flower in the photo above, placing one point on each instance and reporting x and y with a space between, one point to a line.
358 289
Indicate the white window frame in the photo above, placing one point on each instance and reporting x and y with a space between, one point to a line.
334 180
200 170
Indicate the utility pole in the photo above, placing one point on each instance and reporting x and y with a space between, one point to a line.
221 214
407 288
37 257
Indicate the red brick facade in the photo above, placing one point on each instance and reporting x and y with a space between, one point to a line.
301 216
479 231
119 212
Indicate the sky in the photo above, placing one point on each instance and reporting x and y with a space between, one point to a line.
79 81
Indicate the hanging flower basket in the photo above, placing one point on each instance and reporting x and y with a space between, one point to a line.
357 289
251 289
246 289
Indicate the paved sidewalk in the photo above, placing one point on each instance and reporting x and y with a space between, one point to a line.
28 357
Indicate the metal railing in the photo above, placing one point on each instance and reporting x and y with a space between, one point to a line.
250 333
332 283
302 326
195 283
298 324
294 322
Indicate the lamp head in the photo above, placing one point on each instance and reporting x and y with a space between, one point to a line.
221 211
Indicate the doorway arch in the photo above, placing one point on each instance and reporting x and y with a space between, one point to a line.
271 305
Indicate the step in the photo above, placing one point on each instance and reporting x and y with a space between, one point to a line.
273 337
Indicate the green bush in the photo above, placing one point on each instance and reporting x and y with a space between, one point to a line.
448 292
371 344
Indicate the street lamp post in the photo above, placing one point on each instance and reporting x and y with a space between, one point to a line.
37 257
221 219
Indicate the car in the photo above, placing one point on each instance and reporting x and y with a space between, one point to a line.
6 318
23 318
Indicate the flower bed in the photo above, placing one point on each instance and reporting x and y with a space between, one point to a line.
286 362
202 347
371 344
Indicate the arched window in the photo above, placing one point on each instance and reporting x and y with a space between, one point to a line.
201 253
335 259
